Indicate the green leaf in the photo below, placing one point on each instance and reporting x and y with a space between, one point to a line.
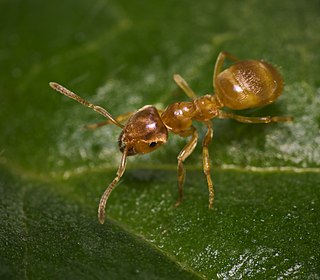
122 55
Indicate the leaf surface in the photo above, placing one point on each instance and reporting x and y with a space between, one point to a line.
121 55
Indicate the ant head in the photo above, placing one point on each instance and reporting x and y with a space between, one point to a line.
143 133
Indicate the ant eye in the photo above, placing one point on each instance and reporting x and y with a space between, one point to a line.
152 144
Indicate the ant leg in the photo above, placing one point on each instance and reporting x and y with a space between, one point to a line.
109 189
220 60
184 86
185 152
121 118
243 119
97 125
206 161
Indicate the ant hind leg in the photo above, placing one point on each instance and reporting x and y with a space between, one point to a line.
244 119
219 63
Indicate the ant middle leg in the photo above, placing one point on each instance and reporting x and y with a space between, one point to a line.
243 119
184 86
185 152
206 161
121 118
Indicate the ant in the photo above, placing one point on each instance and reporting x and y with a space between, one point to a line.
245 84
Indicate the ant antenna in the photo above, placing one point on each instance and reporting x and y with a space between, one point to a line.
109 189
76 97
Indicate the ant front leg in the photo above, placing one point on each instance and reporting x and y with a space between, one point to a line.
219 63
184 86
121 118
243 119
185 152
206 161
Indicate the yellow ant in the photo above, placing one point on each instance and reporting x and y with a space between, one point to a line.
245 84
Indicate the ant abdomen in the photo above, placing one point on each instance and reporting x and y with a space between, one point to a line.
248 84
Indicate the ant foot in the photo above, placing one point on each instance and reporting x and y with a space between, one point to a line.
178 202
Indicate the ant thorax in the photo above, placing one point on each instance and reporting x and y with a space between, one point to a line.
207 107
178 116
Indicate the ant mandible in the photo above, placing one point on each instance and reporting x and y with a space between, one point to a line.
245 84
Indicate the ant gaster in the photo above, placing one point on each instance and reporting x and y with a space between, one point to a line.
245 84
